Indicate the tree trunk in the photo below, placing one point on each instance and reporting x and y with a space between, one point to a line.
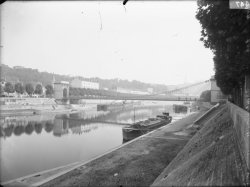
247 93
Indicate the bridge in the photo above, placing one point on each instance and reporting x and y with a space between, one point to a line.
187 93
142 97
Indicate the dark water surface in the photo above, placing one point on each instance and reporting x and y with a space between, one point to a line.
35 143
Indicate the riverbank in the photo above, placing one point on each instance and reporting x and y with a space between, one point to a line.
36 110
42 109
31 106
216 148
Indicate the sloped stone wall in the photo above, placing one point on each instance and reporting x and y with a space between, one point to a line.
241 120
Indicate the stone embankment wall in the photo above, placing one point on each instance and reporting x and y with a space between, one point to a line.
9 104
26 101
206 115
241 121
217 155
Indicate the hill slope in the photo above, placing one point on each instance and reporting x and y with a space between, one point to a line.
28 75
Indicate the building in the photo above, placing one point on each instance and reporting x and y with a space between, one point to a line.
77 83
216 94
129 91
61 89
18 67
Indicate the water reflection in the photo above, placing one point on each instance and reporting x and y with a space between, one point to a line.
38 127
61 127
18 130
48 126
77 123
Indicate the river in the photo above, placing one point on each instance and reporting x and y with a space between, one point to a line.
34 143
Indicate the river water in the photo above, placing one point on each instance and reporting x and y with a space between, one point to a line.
31 144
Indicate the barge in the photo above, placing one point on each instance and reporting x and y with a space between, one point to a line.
142 127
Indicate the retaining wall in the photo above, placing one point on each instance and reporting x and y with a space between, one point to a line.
241 120
27 101
206 114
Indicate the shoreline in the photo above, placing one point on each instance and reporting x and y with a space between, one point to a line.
18 112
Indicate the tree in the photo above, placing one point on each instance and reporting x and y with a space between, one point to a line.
49 90
19 88
39 89
29 89
206 96
227 33
9 88
1 89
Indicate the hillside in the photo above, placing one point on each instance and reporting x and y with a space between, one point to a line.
28 75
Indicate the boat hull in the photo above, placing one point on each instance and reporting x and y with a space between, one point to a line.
132 131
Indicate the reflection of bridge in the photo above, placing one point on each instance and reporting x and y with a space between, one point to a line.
97 121
188 93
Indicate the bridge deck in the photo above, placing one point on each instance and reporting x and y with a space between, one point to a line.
138 98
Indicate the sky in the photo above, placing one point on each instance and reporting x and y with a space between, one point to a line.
152 42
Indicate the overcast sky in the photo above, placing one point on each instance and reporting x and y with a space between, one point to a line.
154 42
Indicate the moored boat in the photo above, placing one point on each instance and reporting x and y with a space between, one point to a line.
142 127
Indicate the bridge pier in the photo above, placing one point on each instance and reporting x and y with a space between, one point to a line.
61 92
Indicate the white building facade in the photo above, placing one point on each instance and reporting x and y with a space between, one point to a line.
128 91
77 83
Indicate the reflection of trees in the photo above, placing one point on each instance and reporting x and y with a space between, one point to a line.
48 127
18 130
1 132
8 130
29 128
38 128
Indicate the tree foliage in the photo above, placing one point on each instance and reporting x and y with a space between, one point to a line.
9 88
19 88
49 90
38 89
227 33
1 89
206 95
29 88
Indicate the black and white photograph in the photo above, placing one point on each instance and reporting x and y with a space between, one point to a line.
124 93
